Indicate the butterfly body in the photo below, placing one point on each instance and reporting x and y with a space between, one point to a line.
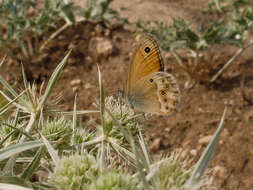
148 87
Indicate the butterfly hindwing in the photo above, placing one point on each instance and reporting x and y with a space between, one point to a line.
167 91
156 93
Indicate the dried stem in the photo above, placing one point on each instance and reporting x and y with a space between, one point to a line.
230 61
189 81
56 33
245 96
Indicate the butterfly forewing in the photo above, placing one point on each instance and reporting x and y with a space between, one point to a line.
146 60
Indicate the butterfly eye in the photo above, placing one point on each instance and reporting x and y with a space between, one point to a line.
147 49
151 80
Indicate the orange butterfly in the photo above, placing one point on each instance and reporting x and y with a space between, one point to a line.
149 88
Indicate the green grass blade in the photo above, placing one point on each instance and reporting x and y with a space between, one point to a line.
32 166
20 130
9 166
53 80
74 116
102 111
17 148
5 108
74 120
26 84
51 150
80 112
144 148
140 160
8 87
102 98
89 143
6 137
207 155
8 169
16 118
121 151
3 60
5 186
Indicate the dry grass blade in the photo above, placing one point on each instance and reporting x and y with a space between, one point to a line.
206 157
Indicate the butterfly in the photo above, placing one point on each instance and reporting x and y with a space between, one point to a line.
148 87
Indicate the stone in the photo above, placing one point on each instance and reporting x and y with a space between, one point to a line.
88 60
205 140
107 32
155 145
116 38
220 171
75 89
75 82
99 47
184 153
99 29
193 152
224 133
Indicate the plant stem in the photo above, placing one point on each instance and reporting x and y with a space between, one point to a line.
30 47
179 60
188 84
54 35
66 25
230 61
24 49
28 127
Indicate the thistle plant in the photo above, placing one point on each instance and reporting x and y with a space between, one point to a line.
57 131
78 158
75 172
114 180
170 173
125 115
82 135
9 134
